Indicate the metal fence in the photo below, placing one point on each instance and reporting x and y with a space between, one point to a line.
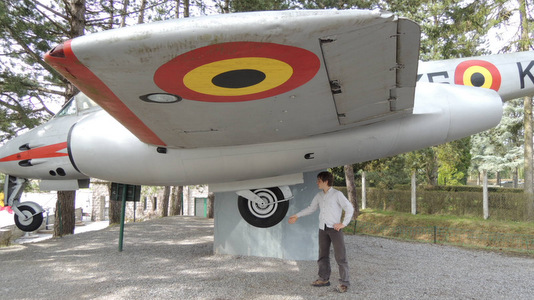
505 206
446 235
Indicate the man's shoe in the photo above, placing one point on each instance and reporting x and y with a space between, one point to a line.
320 282
342 288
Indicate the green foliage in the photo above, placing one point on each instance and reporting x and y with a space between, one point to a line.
347 4
258 5
25 35
501 148
385 173
425 163
455 160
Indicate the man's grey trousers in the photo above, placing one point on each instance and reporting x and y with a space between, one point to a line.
336 238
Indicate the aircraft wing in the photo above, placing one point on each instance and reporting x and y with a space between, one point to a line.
247 78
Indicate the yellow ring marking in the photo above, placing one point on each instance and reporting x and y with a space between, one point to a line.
488 78
276 73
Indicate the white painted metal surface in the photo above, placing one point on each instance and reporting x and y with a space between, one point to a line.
360 50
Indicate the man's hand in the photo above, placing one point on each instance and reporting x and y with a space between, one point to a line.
339 226
293 219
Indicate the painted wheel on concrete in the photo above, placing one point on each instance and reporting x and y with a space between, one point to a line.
266 214
33 221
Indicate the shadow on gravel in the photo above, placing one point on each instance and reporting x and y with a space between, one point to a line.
172 258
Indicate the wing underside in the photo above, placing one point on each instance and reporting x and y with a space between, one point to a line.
248 78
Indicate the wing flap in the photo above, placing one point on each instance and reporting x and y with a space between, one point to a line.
372 71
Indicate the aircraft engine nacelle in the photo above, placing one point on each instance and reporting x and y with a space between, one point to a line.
102 148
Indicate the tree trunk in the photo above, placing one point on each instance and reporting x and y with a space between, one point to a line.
176 206
115 208
77 22
65 218
186 8
165 202
516 177
351 189
211 203
527 122
141 18
172 210
124 12
226 8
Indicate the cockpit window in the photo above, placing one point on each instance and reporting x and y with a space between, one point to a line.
68 109
84 103
77 104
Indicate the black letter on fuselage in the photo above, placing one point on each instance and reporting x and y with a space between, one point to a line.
436 74
526 72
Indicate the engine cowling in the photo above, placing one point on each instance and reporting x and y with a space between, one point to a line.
101 147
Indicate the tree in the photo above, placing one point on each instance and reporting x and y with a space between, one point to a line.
65 214
351 188
177 200
66 199
385 173
525 44
501 148
256 5
211 205
165 201
425 163
455 159
23 90
28 31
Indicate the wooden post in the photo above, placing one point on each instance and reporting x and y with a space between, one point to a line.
485 204
414 196
364 192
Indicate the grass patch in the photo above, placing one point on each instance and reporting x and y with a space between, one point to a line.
463 231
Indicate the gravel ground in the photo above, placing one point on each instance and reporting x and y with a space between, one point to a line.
171 258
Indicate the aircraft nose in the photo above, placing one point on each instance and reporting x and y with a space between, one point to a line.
8 152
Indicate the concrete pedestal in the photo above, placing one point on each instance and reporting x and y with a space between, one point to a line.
298 241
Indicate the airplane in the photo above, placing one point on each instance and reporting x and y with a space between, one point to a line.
248 102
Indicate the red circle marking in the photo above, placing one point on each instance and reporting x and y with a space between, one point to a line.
169 77
464 66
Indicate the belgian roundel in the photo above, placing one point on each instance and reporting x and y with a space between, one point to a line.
478 73
237 71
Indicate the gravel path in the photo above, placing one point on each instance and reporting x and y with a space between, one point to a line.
171 258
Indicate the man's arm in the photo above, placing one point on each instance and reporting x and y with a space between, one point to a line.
307 211
347 207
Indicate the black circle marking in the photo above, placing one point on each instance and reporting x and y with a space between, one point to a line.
237 79
477 79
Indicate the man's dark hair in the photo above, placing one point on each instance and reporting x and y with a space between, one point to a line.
326 176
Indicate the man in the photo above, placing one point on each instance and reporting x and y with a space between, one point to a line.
331 203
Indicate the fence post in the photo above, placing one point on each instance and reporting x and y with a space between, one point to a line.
414 197
435 234
485 204
364 192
